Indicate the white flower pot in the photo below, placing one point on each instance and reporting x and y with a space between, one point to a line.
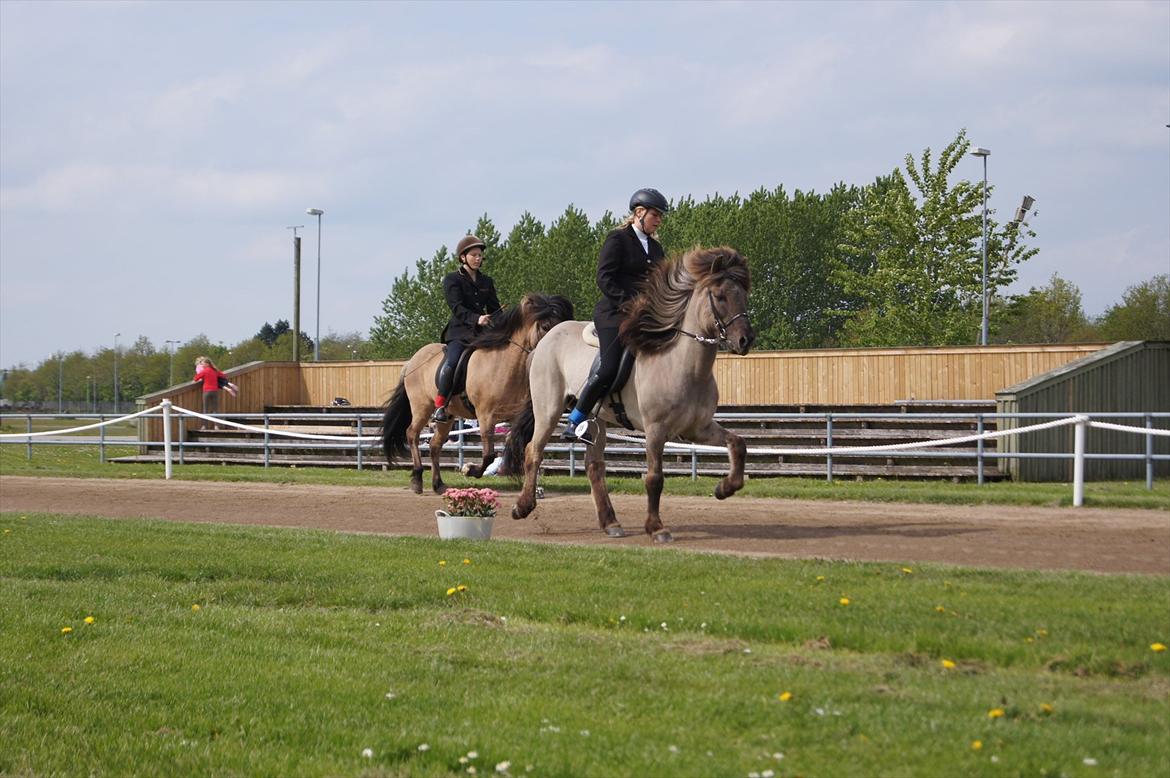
466 527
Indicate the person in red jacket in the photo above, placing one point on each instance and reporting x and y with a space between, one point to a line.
213 379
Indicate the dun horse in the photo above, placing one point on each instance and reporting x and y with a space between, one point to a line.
496 388
689 306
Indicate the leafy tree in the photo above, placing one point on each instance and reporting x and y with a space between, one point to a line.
913 260
1142 314
1049 314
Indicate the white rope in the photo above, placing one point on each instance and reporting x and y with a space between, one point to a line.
79 429
847 449
311 435
1119 428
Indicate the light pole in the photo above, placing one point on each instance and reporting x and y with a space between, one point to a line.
317 340
172 343
116 336
985 153
88 404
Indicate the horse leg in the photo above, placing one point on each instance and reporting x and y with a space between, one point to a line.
416 466
715 435
486 430
655 441
533 456
437 441
595 469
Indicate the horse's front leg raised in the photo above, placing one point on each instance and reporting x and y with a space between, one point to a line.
440 437
595 469
486 428
655 441
715 435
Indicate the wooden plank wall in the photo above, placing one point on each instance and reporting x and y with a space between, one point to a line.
362 383
881 376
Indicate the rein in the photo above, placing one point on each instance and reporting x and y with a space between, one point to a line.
722 325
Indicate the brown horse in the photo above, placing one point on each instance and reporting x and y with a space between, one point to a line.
496 387
688 307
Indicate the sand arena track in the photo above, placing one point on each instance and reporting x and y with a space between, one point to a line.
1093 539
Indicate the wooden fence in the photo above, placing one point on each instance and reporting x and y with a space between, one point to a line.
820 377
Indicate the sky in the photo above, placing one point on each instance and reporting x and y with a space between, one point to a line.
153 154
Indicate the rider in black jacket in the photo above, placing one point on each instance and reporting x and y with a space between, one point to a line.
625 261
471 296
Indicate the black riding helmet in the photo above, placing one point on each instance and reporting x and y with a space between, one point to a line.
649 198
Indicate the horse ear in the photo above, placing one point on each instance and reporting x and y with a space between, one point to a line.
717 264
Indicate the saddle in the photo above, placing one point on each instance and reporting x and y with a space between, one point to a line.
625 367
459 381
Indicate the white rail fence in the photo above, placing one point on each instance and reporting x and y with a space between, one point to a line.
1080 423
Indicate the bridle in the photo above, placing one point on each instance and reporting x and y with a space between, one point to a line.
719 323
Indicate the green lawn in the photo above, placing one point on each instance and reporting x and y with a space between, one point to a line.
308 647
83 461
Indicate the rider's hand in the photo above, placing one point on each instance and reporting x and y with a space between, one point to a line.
484 320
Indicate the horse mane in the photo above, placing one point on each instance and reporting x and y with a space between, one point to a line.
654 315
532 308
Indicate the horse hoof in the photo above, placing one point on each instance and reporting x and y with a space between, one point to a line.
663 536
519 514
440 488
416 487
615 531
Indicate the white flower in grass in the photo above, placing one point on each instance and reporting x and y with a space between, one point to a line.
767 774
747 650
753 775
673 749
584 733
390 695
424 747
503 767
472 754
819 711
368 753
664 627
462 760
994 759
1089 761
777 756
471 770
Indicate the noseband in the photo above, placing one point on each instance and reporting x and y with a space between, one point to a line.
719 323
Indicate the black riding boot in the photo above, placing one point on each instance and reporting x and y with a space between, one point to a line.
591 392
443 390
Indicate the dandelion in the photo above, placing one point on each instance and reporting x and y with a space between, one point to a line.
785 696
995 713
503 767
461 588
471 770
1029 640
442 563
940 609
66 630
907 570
948 664
1046 709
1089 761
1157 648
673 749
424 747
768 774
703 625
462 760
994 759
472 754
450 591
89 619
466 561
777 756
196 607
820 578
368 753
664 627
976 745
1041 633
844 600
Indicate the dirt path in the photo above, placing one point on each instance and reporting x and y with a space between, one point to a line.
1096 539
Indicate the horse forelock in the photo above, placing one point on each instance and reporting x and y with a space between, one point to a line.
717 265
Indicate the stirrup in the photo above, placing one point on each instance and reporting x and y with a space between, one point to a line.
586 432
440 415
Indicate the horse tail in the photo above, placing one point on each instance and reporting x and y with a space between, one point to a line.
395 423
518 439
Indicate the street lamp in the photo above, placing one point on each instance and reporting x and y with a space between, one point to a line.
172 343
116 336
316 341
985 153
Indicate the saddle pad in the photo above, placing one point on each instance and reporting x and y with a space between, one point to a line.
589 335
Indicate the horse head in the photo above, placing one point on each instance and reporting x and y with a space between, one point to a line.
720 295
540 313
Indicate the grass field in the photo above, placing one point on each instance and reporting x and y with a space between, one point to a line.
83 461
231 650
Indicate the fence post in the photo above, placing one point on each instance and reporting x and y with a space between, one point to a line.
182 437
979 449
1149 453
1079 462
166 408
359 441
694 464
572 458
267 437
28 428
101 439
829 445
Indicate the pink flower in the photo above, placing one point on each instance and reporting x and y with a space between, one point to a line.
472 502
